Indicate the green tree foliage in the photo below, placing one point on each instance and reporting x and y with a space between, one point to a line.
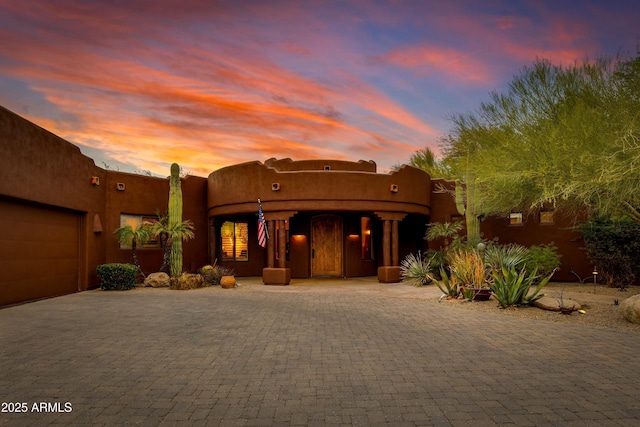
613 246
558 134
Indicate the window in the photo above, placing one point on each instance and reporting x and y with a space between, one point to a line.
235 241
136 221
515 218
365 232
546 217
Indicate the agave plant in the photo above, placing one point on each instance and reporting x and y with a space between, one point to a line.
416 269
512 287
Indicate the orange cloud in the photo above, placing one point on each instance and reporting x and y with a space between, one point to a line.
211 84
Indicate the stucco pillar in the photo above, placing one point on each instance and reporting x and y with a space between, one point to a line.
271 244
386 243
280 275
213 241
282 244
394 243
389 271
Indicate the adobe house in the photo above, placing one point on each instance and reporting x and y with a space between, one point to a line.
58 211
325 218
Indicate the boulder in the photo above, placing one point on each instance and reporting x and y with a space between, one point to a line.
157 280
631 309
552 304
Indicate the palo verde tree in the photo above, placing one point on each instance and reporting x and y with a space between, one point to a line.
567 135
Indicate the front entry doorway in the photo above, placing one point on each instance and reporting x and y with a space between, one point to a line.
326 245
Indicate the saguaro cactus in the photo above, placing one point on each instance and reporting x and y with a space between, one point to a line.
175 217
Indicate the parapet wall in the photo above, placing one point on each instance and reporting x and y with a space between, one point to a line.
236 189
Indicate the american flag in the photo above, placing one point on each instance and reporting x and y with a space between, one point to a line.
263 234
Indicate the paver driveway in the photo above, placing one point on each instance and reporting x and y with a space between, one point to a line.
329 353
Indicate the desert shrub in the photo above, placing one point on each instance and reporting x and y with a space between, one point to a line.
211 274
448 285
613 246
508 256
225 270
468 268
187 281
545 258
438 262
117 276
416 269
511 287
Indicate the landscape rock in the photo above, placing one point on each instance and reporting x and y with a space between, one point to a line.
552 304
631 309
157 280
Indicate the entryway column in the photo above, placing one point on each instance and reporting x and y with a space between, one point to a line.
389 271
386 243
394 243
280 275
271 244
282 244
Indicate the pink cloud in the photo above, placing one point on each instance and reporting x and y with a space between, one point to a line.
450 64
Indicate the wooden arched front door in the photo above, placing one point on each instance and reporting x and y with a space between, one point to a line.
326 245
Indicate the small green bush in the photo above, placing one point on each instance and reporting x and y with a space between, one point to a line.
613 246
117 276
545 258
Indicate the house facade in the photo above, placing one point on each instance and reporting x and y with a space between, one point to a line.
325 218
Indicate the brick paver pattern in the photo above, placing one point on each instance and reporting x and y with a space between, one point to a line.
275 356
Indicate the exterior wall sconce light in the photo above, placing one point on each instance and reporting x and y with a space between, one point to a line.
393 188
120 186
275 186
95 180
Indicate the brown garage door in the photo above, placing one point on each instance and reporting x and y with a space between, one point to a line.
39 252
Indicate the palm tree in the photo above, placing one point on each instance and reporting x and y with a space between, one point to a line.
445 230
166 233
129 236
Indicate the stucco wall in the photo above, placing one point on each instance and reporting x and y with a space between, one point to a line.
42 169
235 190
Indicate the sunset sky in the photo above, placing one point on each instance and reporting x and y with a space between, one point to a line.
138 85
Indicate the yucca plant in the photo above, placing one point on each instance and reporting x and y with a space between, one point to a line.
512 287
416 269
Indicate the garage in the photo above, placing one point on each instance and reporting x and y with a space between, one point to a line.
39 251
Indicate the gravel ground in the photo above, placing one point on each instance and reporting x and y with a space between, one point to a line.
600 307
